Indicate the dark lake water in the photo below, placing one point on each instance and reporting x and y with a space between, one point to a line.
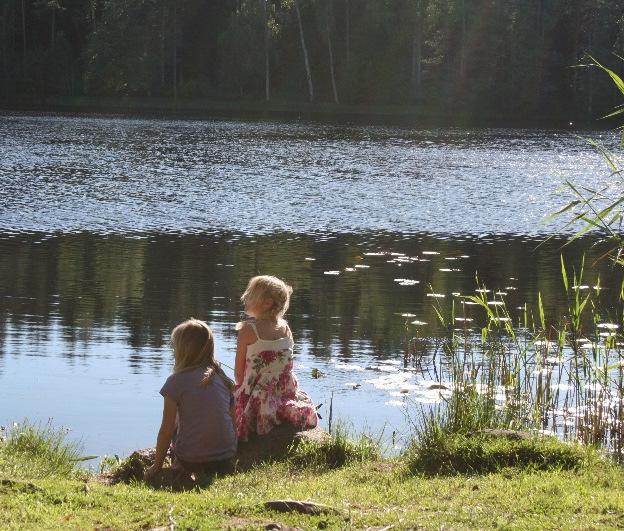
113 230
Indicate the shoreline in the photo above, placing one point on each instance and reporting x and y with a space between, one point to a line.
326 485
400 115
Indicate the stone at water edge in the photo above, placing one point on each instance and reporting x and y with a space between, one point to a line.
274 445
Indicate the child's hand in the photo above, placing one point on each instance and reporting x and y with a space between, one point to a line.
149 474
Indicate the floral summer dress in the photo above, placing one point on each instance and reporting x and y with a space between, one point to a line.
270 394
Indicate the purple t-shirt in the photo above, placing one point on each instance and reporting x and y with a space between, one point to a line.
205 431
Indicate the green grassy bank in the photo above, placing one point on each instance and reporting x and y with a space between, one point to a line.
525 483
370 495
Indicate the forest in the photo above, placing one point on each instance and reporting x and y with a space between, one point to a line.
490 58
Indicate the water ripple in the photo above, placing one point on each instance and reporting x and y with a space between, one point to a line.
67 173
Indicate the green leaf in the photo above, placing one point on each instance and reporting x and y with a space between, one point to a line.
605 154
617 80
569 206
582 305
614 113
85 458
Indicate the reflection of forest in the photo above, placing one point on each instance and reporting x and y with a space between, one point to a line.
85 284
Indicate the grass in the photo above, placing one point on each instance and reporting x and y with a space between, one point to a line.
38 451
335 451
484 454
533 376
572 491
469 435
527 371
368 494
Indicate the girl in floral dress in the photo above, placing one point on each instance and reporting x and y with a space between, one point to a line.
267 392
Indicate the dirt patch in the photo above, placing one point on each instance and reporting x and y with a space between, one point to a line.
512 435
21 486
246 523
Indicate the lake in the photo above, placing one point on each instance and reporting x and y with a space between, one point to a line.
113 230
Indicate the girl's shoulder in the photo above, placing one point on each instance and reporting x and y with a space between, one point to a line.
250 331
246 326
241 324
250 324
284 323
247 332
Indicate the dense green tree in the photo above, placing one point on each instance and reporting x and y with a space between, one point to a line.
473 57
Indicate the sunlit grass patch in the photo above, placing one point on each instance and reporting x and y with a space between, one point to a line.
37 451
334 451
469 434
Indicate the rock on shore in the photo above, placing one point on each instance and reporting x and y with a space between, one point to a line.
271 447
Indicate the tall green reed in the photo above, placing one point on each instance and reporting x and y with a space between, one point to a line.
525 371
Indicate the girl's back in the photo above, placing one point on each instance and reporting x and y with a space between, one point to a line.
270 354
205 431
197 405
269 393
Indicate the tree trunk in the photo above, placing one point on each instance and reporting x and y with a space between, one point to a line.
53 31
348 32
267 70
417 51
93 13
331 66
162 49
462 49
71 78
575 59
5 38
540 62
331 51
23 38
175 53
305 52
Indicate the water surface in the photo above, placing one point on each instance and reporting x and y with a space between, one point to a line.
114 230
116 174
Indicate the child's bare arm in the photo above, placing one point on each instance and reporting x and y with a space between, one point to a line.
165 433
246 337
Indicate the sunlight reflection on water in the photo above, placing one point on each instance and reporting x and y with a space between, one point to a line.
101 174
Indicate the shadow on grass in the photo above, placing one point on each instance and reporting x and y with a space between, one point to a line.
281 444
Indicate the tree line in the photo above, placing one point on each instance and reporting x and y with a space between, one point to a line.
511 57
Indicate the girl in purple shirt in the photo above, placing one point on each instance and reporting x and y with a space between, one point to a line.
197 412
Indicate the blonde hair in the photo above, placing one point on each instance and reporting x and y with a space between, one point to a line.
267 286
193 346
